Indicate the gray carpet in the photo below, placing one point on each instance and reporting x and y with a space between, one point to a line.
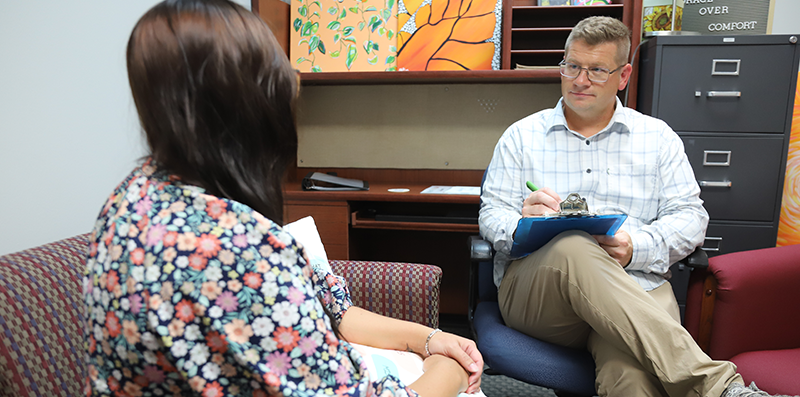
502 386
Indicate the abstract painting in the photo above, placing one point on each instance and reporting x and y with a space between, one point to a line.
789 227
449 35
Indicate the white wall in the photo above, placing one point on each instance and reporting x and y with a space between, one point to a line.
68 128
784 17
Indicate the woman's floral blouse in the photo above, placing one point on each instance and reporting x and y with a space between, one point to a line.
190 294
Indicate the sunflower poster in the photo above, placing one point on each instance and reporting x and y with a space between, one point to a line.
789 226
346 35
449 34
657 15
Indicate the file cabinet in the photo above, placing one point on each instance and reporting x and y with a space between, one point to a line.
730 99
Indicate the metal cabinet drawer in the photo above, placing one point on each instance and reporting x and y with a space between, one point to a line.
724 238
738 176
736 88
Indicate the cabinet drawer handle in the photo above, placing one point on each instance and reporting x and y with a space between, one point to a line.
717 62
712 249
715 183
724 94
715 153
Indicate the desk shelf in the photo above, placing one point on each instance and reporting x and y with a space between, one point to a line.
378 192
359 220
440 77
348 228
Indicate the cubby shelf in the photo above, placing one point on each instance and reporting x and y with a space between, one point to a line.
532 35
535 35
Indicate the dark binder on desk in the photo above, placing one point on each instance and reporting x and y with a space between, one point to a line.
534 232
320 181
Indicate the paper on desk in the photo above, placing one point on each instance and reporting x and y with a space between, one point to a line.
469 190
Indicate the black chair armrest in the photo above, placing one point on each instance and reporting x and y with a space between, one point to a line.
697 259
479 249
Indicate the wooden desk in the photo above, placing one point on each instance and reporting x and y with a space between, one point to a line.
351 227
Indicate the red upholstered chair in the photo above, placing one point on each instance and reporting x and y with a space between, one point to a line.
41 311
746 308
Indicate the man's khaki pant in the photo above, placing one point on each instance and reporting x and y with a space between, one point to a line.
572 293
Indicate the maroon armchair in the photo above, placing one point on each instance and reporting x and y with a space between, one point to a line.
746 308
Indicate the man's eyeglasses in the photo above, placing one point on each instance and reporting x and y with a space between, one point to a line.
595 74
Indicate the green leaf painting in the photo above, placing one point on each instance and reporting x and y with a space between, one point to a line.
352 53
343 35
314 44
307 28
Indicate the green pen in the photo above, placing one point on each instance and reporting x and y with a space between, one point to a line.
531 186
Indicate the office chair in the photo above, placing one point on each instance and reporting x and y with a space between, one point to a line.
569 372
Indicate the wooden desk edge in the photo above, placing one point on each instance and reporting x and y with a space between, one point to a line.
377 192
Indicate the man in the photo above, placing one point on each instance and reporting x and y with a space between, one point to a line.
606 293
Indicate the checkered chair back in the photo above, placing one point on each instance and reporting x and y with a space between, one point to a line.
41 320
407 291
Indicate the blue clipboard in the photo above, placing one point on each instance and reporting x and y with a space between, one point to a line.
534 232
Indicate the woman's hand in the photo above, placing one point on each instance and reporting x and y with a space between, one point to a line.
442 376
463 351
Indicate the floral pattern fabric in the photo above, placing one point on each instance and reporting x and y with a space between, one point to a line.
191 294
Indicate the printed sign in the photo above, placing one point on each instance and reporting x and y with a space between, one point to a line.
726 17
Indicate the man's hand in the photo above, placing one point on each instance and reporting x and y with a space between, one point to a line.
618 246
464 351
541 202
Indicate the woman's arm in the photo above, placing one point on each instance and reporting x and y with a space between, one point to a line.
437 369
370 329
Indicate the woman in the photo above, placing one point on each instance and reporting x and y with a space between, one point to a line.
192 287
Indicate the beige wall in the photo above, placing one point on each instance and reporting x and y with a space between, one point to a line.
454 126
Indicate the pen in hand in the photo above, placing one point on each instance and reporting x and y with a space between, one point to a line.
548 196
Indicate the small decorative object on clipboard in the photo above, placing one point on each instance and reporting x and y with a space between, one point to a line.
534 232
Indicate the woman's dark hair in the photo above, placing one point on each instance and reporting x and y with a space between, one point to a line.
216 96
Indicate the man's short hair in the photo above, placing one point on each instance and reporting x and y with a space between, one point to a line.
601 30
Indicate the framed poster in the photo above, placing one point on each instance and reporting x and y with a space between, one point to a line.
727 17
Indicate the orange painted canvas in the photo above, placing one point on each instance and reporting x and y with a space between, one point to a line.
788 229
449 34
346 35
